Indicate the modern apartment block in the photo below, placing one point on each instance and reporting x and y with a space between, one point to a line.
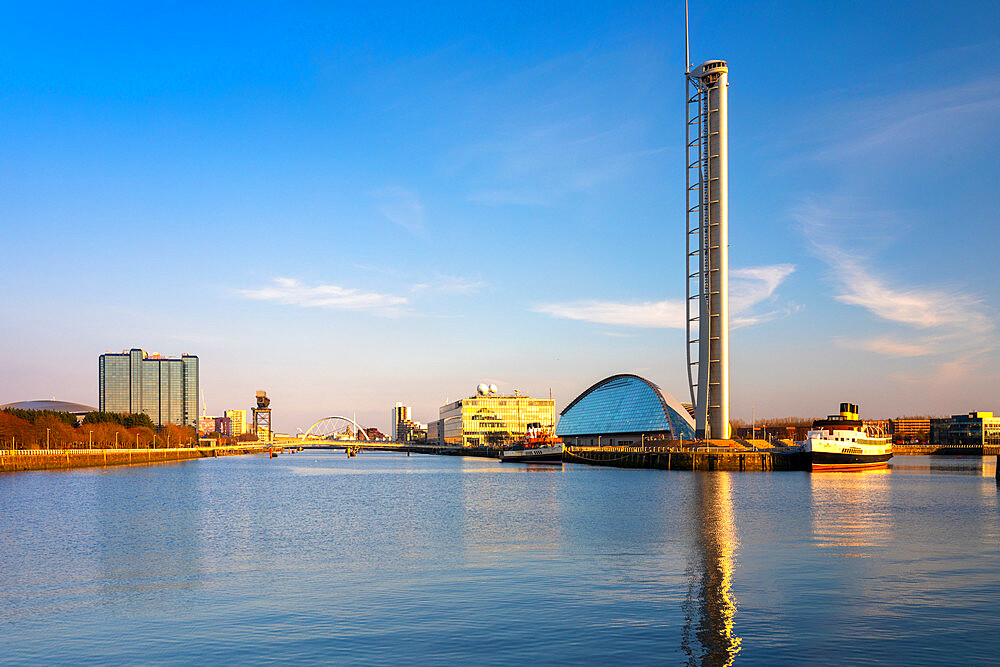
238 421
165 388
405 429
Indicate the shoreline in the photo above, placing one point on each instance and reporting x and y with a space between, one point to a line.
26 460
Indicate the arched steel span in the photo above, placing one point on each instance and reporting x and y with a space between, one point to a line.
360 430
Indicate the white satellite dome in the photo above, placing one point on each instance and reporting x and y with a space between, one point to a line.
482 389
493 389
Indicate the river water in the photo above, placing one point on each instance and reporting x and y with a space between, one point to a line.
385 558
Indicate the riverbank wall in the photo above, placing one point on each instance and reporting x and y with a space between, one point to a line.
736 461
20 460
925 449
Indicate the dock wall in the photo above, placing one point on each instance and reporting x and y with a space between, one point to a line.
18 460
688 460
945 450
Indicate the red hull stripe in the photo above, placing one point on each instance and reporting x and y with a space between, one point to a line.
848 466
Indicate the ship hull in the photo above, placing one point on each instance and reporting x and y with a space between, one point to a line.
551 454
832 462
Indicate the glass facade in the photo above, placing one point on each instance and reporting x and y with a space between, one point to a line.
163 388
492 421
625 405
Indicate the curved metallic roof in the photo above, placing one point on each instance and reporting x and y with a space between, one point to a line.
54 406
625 403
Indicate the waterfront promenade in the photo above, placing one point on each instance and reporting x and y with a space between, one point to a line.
19 460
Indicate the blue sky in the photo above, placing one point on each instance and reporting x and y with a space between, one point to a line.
352 204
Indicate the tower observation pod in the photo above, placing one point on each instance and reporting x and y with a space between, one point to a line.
707 223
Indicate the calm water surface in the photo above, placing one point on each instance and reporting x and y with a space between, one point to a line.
392 559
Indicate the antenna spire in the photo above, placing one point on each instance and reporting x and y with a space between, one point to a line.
687 41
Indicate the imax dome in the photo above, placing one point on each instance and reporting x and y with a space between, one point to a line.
51 405
624 410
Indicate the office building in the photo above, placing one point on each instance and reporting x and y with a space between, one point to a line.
491 419
164 388
238 421
400 414
905 431
624 410
405 429
976 429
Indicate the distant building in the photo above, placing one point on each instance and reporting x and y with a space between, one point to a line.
624 410
939 430
206 424
238 421
490 419
905 431
223 426
164 388
403 428
374 434
400 413
976 429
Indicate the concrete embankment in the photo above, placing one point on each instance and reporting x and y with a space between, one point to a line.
18 460
944 450
708 457
629 457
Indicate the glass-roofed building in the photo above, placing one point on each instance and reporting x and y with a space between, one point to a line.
623 410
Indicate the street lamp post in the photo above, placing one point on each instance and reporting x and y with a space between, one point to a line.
91 445
116 439
46 438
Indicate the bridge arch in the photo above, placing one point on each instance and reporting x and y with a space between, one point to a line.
361 431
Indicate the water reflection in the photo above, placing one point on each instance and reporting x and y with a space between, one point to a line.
850 510
985 466
710 606
147 521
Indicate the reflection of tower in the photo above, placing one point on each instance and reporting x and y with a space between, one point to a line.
708 245
710 606
262 417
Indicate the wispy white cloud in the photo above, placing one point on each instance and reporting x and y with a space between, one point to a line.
888 346
882 126
749 287
933 320
752 285
667 314
290 291
445 284
402 207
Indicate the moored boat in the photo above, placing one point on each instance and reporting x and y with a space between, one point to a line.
539 446
843 442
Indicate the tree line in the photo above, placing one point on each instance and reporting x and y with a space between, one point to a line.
40 429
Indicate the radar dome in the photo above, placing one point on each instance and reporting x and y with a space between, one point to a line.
482 389
493 389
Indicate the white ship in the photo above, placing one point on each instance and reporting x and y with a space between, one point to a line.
842 442
539 446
